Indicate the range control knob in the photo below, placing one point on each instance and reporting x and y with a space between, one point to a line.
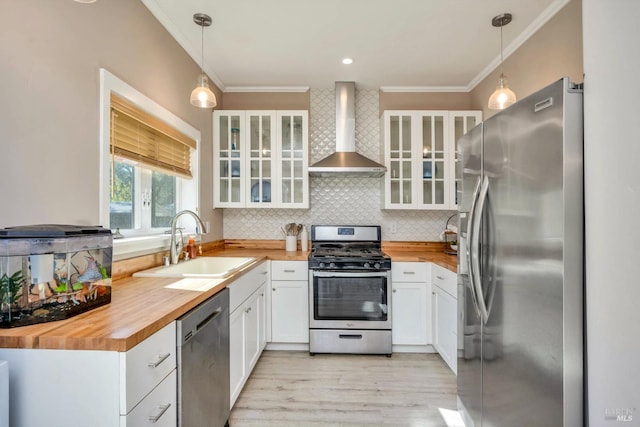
332 265
322 265
367 265
376 265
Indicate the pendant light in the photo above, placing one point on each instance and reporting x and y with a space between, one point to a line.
502 97
202 96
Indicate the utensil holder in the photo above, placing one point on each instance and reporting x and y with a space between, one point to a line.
291 243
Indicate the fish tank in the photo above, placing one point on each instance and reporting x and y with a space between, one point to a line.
53 272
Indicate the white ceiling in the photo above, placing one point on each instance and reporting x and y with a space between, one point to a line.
432 45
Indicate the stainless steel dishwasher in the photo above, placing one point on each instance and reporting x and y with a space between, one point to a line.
203 364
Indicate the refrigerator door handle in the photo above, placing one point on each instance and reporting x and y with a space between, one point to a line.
472 246
475 258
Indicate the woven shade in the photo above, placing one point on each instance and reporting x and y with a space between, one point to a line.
138 136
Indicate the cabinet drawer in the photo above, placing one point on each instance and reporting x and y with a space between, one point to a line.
158 409
409 271
145 365
242 288
446 280
289 270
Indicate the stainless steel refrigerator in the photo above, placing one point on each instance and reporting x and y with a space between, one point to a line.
520 274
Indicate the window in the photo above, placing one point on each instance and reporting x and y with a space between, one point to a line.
149 165
141 199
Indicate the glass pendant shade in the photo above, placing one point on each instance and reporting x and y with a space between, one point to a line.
202 96
502 97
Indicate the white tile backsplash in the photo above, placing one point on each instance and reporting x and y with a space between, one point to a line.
344 199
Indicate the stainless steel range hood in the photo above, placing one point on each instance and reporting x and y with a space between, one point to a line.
345 160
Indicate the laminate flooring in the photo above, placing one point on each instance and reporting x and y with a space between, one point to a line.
295 389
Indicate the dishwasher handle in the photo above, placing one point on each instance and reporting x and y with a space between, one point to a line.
203 324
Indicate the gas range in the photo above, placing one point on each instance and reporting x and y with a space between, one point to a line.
349 291
347 248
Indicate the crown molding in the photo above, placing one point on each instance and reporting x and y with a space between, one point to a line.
266 89
423 89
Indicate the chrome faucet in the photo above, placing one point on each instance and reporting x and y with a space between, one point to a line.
174 252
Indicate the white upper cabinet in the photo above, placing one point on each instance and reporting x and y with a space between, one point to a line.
293 159
460 122
229 147
261 159
420 156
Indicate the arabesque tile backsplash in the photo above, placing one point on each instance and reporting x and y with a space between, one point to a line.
340 200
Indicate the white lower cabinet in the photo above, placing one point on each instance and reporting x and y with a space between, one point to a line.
100 388
445 315
247 326
410 303
410 312
159 408
289 302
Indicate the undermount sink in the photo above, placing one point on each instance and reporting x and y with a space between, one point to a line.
203 267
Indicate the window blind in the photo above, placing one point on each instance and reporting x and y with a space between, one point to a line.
136 135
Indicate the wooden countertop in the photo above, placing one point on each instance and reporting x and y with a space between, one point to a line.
449 262
142 306
139 307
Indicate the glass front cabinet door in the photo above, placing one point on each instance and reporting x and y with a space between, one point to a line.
399 132
293 159
434 162
421 157
261 132
460 122
229 146
261 159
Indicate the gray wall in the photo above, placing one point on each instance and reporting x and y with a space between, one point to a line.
553 52
612 198
50 53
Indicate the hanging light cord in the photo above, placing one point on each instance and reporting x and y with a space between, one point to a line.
501 52
202 48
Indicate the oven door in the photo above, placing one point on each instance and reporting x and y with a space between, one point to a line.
349 300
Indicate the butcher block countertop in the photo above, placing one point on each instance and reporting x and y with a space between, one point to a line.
142 306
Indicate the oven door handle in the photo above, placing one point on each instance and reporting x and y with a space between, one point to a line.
350 274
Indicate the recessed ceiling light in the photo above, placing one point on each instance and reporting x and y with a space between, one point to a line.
85 1
347 61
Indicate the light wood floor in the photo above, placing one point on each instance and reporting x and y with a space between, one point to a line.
296 389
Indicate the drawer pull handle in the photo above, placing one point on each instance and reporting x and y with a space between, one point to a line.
439 277
289 271
264 272
161 358
163 409
409 272
350 336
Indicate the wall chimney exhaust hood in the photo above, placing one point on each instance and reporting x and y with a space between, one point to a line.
345 161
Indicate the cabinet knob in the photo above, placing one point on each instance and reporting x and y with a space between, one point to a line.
394 291
274 289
